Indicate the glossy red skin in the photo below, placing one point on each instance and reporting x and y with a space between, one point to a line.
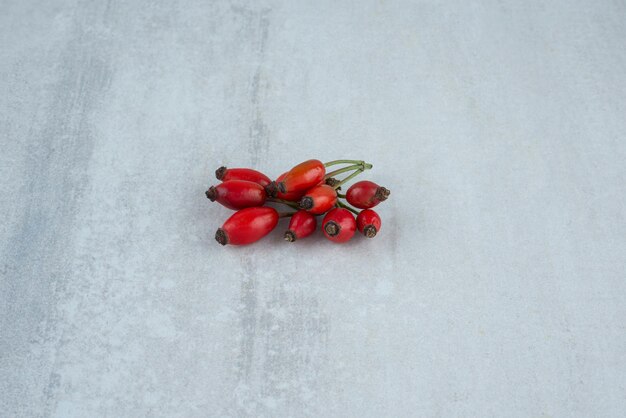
240 194
246 174
293 196
303 176
302 224
324 198
362 194
250 225
368 217
345 219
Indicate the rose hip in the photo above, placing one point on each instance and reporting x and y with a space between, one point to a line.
366 194
339 225
302 177
319 199
368 223
293 196
301 225
237 194
247 226
248 174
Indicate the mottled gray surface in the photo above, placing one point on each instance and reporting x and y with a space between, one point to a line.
497 286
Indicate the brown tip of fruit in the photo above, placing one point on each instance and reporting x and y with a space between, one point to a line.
370 231
221 237
271 189
306 203
219 173
290 236
382 193
332 182
211 194
332 228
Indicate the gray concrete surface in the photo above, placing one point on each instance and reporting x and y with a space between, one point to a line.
496 287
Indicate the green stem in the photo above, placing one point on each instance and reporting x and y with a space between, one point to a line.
335 162
362 163
293 205
343 170
350 177
341 195
343 205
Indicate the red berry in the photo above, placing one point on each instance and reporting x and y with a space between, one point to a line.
368 223
302 177
248 174
301 225
366 194
339 225
293 196
247 226
319 199
237 194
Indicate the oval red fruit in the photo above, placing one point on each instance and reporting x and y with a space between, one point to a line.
366 194
247 226
301 225
247 174
302 177
292 196
319 199
237 194
368 223
339 225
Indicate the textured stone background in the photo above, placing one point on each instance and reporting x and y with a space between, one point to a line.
497 285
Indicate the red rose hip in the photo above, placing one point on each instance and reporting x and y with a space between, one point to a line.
368 223
339 225
247 174
301 225
247 226
319 199
302 177
292 196
237 194
366 194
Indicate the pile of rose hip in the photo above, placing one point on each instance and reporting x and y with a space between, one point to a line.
308 189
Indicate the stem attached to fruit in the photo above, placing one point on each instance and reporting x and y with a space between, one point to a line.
362 163
350 177
293 205
359 165
350 208
335 162
285 214
343 170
